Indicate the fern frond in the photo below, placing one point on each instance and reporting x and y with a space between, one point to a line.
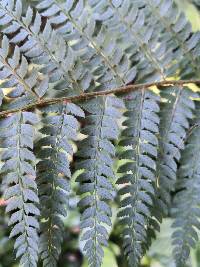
176 110
15 74
138 177
55 53
18 172
186 203
55 148
128 22
99 50
175 30
43 46
174 115
95 157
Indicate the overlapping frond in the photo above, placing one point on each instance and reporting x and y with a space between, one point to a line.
176 111
53 171
18 173
95 157
138 173
127 21
98 47
175 31
186 203
174 115
43 46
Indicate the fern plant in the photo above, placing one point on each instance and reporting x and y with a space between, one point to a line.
86 86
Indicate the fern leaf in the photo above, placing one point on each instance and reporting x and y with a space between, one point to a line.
186 202
15 74
18 172
40 43
95 157
106 61
177 34
128 22
175 114
176 110
138 173
53 175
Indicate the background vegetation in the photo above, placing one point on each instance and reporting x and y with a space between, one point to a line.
160 251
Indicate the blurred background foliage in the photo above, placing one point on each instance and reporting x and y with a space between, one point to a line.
160 253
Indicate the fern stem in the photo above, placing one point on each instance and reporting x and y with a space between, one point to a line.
86 96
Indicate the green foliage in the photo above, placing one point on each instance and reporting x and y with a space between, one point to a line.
15 74
95 155
138 174
174 124
21 189
186 202
54 53
60 127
